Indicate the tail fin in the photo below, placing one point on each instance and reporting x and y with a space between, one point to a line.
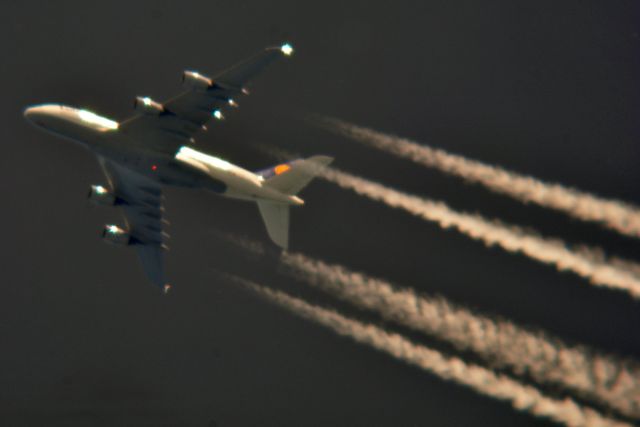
287 178
290 178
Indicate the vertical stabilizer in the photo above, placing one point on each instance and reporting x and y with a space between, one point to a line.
290 178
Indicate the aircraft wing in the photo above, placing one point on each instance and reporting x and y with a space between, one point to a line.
167 126
142 205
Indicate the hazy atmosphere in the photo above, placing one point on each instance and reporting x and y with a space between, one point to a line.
471 258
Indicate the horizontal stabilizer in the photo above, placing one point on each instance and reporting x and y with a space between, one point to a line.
276 218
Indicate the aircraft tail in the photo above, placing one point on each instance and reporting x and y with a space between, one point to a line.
290 178
287 178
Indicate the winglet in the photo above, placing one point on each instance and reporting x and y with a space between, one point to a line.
287 49
166 289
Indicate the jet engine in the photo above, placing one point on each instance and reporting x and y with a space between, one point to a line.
116 235
100 195
194 80
147 105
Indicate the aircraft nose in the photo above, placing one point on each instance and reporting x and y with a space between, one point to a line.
41 115
35 112
28 112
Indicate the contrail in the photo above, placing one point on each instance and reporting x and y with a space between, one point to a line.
613 214
522 397
550 251
599 378
594 254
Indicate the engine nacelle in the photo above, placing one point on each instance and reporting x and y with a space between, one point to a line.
100 195
116 235
196 81
147 105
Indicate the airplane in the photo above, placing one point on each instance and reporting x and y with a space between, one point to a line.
152 149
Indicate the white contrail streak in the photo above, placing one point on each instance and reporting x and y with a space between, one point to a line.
601 378
522 397
599 272
613 214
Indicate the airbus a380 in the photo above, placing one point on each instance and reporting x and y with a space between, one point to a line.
152 149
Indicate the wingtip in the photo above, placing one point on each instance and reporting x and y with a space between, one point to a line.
285 48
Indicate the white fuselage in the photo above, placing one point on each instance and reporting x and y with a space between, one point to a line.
187 168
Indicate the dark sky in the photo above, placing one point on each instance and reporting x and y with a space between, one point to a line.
545 88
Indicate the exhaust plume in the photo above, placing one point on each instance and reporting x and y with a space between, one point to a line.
599 378
613 214
522 397
554 252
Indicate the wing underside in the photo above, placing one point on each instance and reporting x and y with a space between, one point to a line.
142 203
